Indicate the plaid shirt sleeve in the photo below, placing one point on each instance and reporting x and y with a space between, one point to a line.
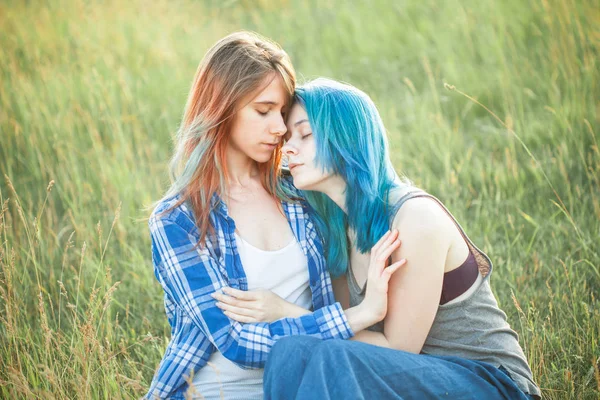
190 274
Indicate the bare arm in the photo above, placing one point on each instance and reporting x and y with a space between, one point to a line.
376 338
414 292
260 306
280 307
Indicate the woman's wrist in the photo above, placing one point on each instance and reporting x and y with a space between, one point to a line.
360 317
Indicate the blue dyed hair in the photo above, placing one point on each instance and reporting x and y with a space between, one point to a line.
351 142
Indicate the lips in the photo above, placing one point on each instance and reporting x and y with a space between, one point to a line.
291 166
270 146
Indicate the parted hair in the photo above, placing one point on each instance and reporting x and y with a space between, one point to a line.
235 67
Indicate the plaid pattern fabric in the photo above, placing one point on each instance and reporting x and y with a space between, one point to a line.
189 274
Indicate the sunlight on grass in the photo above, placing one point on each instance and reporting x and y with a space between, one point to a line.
91 93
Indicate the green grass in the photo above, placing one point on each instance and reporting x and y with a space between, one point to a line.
91 93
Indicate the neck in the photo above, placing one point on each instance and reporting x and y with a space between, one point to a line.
241 168
335 189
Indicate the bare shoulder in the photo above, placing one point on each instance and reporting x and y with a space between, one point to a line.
423 216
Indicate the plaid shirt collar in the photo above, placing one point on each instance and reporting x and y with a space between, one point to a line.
198 326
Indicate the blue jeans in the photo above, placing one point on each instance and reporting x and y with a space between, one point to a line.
303 367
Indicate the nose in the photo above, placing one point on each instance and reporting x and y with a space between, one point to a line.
289 149
279 128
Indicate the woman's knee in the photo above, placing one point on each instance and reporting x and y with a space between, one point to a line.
333 350
286 366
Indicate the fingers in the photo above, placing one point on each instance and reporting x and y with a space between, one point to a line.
239 294
380 242
386 251
234 308
389 271
230 300
385 241
239 318
246 312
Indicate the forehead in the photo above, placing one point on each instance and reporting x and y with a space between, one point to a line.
272 91
296 115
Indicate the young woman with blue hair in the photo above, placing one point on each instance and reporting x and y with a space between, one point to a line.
443 335
230 221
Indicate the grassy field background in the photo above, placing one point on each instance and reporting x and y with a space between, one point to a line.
91 93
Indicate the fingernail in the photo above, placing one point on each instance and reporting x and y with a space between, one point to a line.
218 304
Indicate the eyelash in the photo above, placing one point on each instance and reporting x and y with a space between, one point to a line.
283 114
287 138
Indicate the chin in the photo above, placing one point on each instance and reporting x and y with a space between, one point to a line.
300 184
262 158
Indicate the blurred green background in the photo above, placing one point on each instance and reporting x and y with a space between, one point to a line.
91 93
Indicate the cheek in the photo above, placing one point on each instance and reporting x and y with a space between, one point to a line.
310 173
309 154
309 179
310 150
248 127
315 172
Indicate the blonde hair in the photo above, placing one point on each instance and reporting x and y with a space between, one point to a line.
235 67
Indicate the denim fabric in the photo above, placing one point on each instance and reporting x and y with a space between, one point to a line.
309 368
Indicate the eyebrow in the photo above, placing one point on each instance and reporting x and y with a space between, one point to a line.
300 122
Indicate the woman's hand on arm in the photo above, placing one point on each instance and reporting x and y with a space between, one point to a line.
189 275
379 274
414 293
260 306
256 305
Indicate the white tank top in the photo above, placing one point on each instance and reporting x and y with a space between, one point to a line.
284 272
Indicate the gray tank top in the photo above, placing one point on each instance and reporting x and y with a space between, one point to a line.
475 327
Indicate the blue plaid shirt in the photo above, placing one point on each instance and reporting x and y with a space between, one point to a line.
189 275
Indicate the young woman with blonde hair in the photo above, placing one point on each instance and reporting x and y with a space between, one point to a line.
231 223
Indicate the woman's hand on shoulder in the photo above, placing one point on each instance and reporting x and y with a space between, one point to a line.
255 305
376 296
414 292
